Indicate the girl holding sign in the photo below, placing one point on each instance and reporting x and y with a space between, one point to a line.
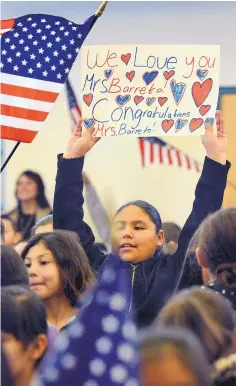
137 228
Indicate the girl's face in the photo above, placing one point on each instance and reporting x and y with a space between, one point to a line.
134 234
26 189
167 370
44 273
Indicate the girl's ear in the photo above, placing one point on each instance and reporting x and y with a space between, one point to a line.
160 238
200 259
38 347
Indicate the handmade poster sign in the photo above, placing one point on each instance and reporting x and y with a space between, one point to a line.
149 90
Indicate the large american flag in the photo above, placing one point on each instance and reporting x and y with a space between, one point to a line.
37 53
75 112
154 150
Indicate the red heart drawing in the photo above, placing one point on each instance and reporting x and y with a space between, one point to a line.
167 124
88 99
195 124
201 91
204 109
126 58
130 75
168 74
162 100
138 99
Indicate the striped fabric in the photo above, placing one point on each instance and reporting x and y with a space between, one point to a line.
75 112
37 54
154 150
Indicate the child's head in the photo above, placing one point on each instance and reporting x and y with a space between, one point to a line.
205 313
137 231
172 357
44 225
11 236
57 266
13 270
216 251
24 330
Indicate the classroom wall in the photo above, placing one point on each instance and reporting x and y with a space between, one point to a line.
114 164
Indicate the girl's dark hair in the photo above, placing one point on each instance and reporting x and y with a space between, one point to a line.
13 269
148 209
217 243
41 198
191 272
155 341
71 259
207 314
22 314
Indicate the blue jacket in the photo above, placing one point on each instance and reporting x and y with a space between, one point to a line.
152 280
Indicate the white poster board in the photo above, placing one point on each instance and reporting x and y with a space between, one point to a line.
149 90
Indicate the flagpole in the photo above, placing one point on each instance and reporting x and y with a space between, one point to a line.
9 157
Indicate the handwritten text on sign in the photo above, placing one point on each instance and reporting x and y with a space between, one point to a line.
149 90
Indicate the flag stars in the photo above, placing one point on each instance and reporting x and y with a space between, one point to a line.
30 36
18 54
79 36
4 52
20 24
34 25
57 22
49 45
24 29
39 31
7 40
67 70
9 60
48 26
62 28
47 59
64 47
61 61
59 76
66 33
1 65
53 68
45 73
58 39
15 68
35 43
32 56
72 41
26 48
41 50
24 62
29 19
53 33
38 65
74 28
16 35
69 56
12 47
44 37
43 21
55 53
77 50
21 41
30 70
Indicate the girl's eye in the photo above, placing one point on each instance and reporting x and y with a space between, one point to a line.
138 228
44 262
28 265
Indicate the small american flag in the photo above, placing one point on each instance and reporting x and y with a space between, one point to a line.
75 112
37 54
154 150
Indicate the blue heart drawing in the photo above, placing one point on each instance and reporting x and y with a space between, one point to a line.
180 123
108 73
209 121
148 77
89 123
178 90
150 101
201 73
122 100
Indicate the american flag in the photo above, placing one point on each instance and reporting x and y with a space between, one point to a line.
37 53
100 347
75 112
154 150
